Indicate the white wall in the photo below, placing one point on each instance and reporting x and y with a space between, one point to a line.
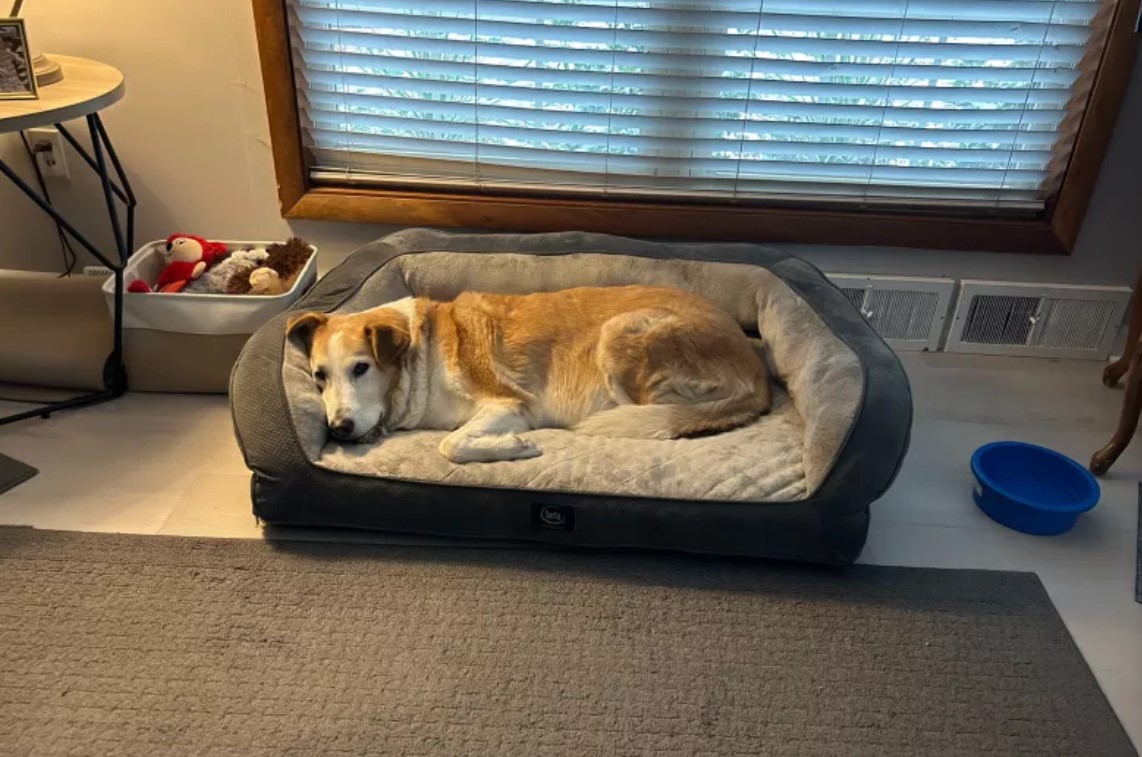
193 134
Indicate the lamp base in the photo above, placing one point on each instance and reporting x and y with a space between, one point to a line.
47 71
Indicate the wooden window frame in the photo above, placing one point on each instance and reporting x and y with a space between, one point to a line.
1052 232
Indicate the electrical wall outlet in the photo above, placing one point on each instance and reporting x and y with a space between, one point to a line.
47 145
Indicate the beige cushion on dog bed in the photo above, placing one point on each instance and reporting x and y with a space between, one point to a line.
784 456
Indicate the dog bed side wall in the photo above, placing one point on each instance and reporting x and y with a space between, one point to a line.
878 440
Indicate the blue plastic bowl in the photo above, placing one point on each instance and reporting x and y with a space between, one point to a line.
1030 488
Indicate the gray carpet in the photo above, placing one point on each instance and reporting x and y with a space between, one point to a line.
151 645
13 473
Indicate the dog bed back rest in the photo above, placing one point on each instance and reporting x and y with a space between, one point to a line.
823 375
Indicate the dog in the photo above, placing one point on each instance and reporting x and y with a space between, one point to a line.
631 361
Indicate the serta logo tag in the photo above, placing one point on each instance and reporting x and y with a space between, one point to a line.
556 517
552 516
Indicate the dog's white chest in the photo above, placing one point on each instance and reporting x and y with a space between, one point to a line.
447 408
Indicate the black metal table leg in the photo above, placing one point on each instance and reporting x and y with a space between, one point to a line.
114 370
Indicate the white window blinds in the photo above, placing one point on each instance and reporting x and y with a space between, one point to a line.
901 102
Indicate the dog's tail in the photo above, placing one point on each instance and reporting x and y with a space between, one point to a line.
675 421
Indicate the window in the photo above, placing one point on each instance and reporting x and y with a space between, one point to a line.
921 108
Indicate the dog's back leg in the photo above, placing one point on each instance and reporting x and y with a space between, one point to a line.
672 376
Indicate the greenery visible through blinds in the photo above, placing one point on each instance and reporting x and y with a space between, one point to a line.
904 102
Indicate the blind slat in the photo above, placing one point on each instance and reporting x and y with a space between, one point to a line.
692 28
935 135
734 103
340 69
682 147
412 173
653 165
808 113
1024 11
496 47
881 101
651 72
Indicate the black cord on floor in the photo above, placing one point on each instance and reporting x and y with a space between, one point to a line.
31 400
70 259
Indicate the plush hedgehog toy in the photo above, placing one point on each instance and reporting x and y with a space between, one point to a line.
277 274
187 257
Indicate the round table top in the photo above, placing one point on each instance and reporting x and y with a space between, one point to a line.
87 86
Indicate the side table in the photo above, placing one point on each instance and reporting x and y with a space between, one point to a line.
87 88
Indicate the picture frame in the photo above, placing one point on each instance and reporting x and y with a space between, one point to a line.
17 76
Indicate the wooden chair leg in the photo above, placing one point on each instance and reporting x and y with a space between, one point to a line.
1116 370
1128 420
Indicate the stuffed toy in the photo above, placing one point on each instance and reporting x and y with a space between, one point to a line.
215 279
187 257
277 274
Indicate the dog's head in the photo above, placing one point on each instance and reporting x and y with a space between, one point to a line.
355 361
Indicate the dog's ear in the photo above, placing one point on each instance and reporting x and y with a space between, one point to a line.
304 325
389 336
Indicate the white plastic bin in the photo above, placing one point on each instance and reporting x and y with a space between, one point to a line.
189 342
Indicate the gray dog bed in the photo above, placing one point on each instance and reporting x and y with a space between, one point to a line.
795 484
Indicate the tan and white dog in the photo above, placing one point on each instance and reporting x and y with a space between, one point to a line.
634 361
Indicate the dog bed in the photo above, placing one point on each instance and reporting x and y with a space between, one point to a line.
796 484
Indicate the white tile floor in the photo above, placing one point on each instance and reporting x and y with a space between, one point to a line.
168 465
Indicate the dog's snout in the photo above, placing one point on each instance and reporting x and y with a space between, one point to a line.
342 428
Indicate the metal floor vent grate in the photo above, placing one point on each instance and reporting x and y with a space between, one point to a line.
855 296
1000 319
908 313
1040 320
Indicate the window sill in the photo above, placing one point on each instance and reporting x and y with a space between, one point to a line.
687 221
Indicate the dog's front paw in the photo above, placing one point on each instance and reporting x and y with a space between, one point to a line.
525 449
486 449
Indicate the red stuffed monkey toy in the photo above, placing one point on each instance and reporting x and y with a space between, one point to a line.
187 257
